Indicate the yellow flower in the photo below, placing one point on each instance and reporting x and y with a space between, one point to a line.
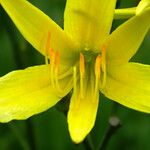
83 57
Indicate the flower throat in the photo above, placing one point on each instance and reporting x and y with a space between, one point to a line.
89 69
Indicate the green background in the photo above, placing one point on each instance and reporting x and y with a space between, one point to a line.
48 130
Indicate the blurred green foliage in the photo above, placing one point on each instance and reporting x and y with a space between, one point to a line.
48 131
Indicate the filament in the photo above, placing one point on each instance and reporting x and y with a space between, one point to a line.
54 64
57 62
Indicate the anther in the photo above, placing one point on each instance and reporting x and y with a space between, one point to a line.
82 65
103 51
56 75
57 59
104 65
54 65
98 66
52 57
82 73
98 63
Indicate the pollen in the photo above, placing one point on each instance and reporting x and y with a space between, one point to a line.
52 57
82 73
104 47
57 59
98 65
104 50
82 65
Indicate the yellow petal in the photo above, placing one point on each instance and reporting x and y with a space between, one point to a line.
89 21
82 111
26 92
129 85
35 26
124 42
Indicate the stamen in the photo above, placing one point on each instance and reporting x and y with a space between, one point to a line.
82 64
52 66
51 53
97 72
57 62
104 65
82 73
98 66
57 59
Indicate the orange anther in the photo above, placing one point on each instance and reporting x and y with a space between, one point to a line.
104 48
52 53
104 51
52 57
98 65
82 64
57 58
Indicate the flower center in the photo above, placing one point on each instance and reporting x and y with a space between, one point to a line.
90 70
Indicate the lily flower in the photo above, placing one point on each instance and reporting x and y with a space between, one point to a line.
84 57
